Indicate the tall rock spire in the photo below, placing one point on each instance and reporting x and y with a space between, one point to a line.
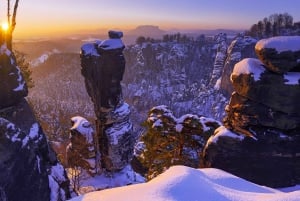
103 66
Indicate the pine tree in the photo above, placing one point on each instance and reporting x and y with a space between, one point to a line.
24 67
170 141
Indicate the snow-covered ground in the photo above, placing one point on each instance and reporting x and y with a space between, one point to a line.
181 183
105 180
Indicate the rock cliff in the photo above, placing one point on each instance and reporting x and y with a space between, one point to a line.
29 169
240 48
261 141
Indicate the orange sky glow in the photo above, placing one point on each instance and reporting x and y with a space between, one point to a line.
36 18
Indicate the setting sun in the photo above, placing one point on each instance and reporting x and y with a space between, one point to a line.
5 26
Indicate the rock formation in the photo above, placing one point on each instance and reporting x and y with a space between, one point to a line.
29 169
171 141
240 48
221 43
103 65
261 141
81 150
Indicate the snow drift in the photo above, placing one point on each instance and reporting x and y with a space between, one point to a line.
181 183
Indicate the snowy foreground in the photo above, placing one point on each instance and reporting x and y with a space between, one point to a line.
181 183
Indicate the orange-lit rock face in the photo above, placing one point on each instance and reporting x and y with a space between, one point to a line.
264 108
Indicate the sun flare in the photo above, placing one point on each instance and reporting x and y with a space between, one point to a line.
5 26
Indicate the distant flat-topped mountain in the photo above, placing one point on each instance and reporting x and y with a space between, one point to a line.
147 30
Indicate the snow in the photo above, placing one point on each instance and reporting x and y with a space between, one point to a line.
157 123
111 44
43 58
123 110
292 78
34 131
249 66
180 183
218 84
84 127
89 49
21 85
38 161
56 176
178 128
107 179
221 132
54 188
4 50
57 172
280 43
116 131
205 120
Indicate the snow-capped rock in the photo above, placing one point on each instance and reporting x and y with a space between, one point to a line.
265 115
280 54
82 151
240 48
114 127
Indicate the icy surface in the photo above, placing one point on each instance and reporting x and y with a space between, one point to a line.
280 43
292 78
181 183
249 66
221 132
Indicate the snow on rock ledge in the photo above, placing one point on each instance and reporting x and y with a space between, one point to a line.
223 132
280 43
280 54
277 91
248 66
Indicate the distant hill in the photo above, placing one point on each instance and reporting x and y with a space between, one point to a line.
146 30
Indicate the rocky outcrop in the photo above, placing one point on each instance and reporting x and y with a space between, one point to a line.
221 46
240 48
29 169
171 141
12 84
280 54
261 141
103 65
81 150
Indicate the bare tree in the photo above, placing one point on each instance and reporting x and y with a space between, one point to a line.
11 21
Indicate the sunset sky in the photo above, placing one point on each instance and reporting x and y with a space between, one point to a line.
48 17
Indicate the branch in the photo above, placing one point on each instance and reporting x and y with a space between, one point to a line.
13 21
8 12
